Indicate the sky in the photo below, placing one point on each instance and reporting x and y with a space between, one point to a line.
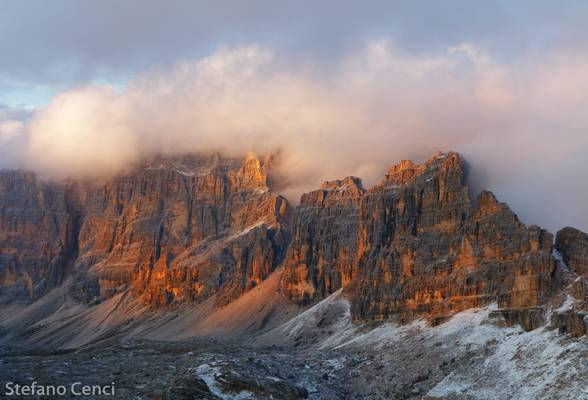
337 87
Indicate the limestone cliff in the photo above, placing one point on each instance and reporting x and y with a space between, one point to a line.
415 244
174 229
572 244
571 316
183 229
325 241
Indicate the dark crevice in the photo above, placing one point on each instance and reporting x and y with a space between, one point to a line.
71 247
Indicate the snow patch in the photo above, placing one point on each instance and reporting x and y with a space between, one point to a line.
568 304
558 257
385 334
246 230
208 374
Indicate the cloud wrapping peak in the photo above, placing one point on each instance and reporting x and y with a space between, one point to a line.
521 124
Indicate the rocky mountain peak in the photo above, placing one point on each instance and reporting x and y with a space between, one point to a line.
402 172
407 172
255 171
487 204
351 183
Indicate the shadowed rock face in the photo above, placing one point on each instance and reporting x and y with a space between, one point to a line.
572 244
35 231
176 229
415 244
572 317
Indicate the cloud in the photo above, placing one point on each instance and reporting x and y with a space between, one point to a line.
66 41
83 132
13 135
521 123
9 129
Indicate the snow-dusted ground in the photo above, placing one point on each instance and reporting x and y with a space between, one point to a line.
524 365
471 356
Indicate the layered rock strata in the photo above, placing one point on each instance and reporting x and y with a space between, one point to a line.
571 317
36 230
572 244
182 229
415 244
174 229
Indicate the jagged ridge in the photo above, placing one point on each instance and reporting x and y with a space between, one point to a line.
416 245
185 229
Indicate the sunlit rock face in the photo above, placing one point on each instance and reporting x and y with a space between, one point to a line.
174 229
323 254
415 244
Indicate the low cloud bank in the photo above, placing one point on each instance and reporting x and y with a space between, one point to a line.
521 124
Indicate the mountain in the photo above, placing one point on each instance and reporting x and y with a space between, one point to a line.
172 230
415 244
181 247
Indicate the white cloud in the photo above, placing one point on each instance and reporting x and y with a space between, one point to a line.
522 123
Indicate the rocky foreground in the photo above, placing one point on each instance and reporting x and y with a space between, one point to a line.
188 277
472 356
